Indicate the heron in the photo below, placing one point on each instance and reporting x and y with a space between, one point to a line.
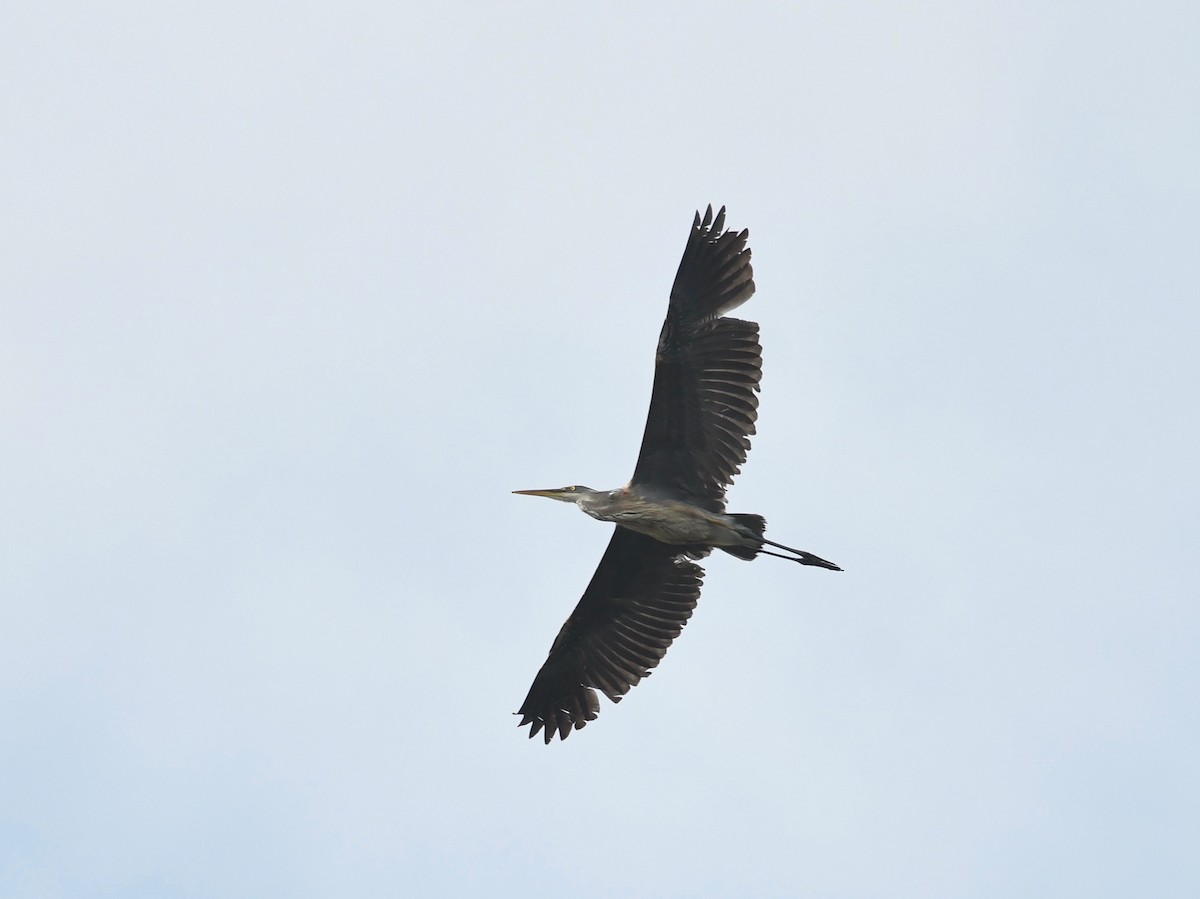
703 409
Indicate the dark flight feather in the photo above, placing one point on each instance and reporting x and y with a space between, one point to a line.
704 404
639 599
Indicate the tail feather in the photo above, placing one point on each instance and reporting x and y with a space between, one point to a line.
757 525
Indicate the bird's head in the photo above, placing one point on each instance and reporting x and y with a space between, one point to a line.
570 494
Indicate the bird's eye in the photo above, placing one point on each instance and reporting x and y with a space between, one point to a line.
570 490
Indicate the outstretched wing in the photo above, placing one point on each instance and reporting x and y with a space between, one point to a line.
703 406
639 599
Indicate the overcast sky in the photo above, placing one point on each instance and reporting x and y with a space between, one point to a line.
293 295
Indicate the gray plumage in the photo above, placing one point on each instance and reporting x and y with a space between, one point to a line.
702 412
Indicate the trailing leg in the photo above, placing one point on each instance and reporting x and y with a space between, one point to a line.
801 556
754 526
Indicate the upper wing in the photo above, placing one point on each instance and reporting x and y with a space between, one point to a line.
640 597
707 371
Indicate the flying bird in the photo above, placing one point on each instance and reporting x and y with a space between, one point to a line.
672 511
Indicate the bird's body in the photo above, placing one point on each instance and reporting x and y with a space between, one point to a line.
672 512
676 522
671 521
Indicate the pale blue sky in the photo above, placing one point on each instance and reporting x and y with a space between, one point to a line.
291 297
